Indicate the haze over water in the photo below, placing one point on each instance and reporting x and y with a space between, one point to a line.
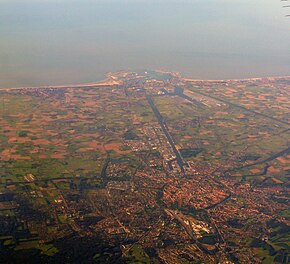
45 42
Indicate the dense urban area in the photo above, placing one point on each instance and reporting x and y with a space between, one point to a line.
146 167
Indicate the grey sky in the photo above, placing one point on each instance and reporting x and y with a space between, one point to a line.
54 42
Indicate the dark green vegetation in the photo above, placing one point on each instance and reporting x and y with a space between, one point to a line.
149 168
189 153
130 135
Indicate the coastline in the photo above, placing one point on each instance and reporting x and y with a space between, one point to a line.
110 80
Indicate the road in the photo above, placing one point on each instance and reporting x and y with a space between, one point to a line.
272 157
166 132
243 108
